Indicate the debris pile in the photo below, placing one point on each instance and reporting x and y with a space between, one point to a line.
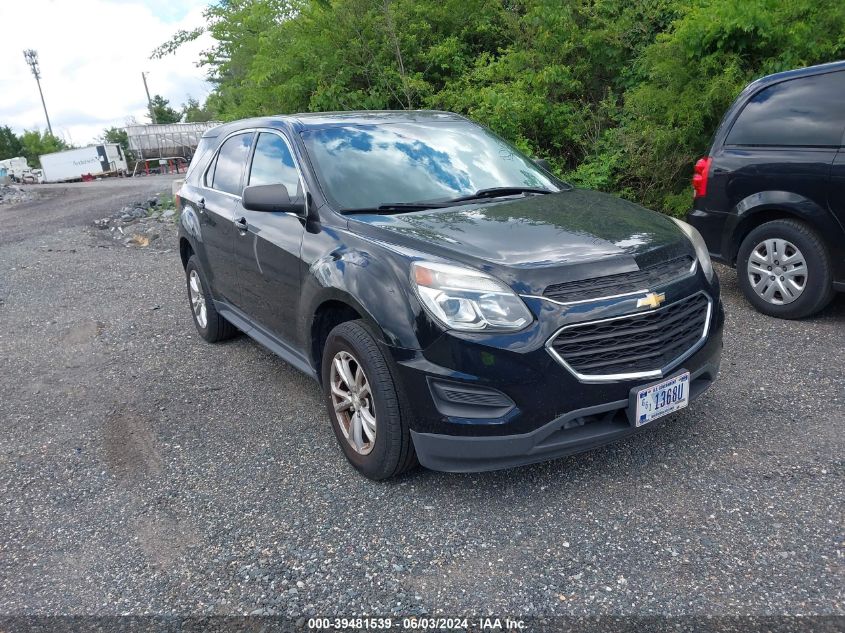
12 194
139 224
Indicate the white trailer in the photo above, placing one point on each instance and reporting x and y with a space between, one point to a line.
75 164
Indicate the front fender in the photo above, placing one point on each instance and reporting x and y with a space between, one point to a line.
374 281
762 206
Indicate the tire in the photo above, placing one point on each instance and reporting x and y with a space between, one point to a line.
216 328
391 451
788 295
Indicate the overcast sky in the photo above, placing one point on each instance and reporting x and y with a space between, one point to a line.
91 54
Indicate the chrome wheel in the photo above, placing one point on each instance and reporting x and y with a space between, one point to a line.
777 271
353 402
197 299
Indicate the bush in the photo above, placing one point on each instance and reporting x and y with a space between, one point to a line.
618 95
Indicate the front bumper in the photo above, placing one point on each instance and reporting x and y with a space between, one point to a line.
573 432
544 411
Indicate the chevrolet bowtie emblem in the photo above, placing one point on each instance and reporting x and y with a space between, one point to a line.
651 300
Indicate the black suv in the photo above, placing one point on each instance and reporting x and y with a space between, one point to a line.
459 305
770 195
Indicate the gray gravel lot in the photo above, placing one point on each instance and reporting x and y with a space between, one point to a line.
73 204
144 471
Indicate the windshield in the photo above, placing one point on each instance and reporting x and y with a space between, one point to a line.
366 166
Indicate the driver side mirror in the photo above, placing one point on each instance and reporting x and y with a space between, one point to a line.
270 198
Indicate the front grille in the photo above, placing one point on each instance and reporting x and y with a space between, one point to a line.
619 284
636 343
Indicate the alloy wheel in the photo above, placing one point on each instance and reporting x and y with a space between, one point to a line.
777 271
353 402
197 299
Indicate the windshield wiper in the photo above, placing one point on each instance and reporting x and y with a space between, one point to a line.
497 192
398 206
481 194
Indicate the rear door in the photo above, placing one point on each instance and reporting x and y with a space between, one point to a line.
220 196
267 246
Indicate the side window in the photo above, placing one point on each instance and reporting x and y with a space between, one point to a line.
272 164
225 174
805 111
198 159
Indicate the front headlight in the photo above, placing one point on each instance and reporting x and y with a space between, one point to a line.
466 299
698 243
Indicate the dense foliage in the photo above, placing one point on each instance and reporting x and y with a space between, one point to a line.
10 143
193 112
31 144
618 95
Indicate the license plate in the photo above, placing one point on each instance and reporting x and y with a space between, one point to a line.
662 399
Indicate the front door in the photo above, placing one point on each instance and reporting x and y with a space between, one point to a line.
267 244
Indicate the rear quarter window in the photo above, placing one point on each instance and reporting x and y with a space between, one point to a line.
807 111
199 159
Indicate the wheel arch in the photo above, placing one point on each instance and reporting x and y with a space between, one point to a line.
760 208
330 313
186 249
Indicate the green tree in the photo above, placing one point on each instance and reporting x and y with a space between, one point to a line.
10 144
193 112
163 113
116 135
35 143
618 95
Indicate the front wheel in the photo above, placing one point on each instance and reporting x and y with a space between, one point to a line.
784 270
365 404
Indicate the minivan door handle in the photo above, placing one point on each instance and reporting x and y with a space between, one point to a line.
241 224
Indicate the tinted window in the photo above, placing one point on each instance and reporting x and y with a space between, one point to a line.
364 166
806 111
230 163
272 164
199 158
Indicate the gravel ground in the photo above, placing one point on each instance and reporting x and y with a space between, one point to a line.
144 471
73 204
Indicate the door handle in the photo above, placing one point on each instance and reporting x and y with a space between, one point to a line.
241 224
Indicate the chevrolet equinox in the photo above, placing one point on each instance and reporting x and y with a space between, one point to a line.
460 306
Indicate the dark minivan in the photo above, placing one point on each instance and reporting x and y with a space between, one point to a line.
770 194
458 304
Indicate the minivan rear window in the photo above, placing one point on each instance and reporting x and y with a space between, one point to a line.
807 111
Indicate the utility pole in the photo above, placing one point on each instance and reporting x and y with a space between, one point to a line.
149 101
31 57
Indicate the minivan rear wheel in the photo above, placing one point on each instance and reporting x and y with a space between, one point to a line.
784 270
365 404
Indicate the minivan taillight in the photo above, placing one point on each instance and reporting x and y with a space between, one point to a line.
699 177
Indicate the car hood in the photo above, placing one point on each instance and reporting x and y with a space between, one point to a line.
534 241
